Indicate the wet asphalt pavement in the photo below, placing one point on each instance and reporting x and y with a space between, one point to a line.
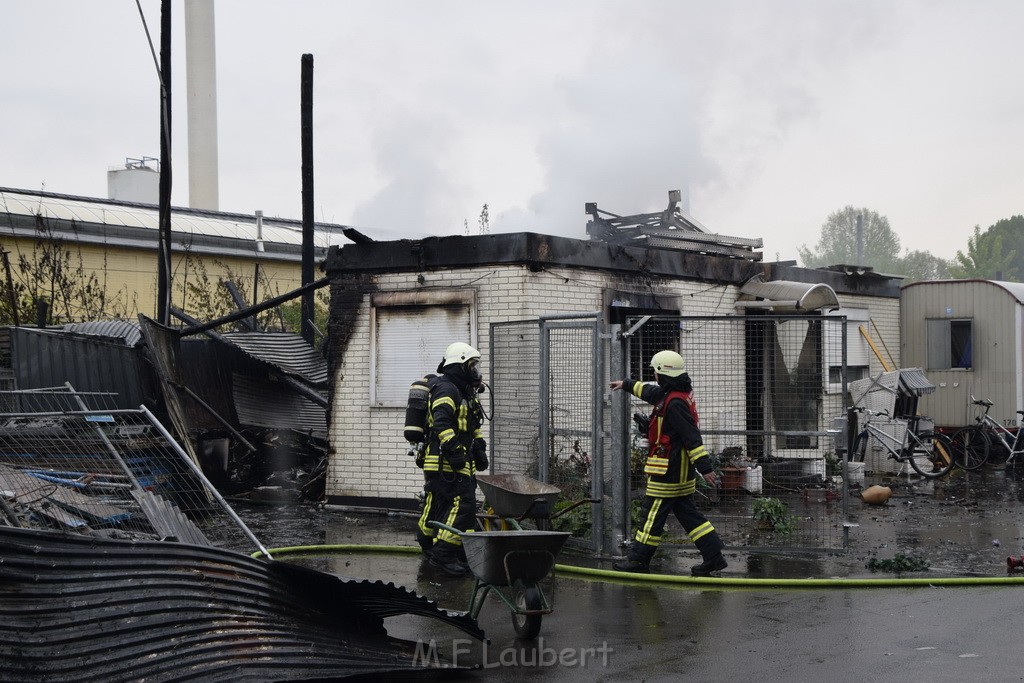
605 629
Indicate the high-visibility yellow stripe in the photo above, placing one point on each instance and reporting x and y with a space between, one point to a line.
443 401
422 523
703 530
444 534
643 534
657 489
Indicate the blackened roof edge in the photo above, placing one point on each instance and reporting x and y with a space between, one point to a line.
537 252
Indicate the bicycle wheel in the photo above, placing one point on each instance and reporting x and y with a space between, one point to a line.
860 446
933 456
971 447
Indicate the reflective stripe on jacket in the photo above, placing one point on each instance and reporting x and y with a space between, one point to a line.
454 414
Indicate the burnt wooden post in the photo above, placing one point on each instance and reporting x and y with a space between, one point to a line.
307 196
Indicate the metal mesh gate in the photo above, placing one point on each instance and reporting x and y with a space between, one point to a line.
548 412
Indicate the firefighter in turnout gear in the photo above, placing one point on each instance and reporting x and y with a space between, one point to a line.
676 455
455 451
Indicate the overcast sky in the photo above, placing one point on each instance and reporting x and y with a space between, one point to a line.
772 114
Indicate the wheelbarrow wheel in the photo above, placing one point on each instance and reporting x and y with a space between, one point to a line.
527 597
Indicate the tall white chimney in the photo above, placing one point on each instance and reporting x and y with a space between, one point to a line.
201 84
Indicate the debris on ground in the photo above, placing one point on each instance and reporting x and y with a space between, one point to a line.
876 495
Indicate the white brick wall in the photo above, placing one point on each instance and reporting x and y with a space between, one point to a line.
368 452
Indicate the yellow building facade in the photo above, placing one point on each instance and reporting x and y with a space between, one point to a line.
90 259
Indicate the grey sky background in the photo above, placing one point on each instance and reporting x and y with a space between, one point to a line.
771 114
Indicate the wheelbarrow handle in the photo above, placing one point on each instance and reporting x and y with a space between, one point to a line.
574 505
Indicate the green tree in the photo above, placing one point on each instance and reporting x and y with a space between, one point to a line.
922 265
1012 231
986 258
837 244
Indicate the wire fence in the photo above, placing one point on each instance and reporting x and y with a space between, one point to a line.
770 391
68 462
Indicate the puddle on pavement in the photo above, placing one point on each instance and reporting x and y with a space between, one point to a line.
964 525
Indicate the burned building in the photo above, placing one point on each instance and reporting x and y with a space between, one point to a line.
396 305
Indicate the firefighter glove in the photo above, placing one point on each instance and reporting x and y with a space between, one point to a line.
643 423
454 453
480 454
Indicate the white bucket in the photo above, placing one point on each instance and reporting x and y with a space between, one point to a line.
752 479
856 472
814 467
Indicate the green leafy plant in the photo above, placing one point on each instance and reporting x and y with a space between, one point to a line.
899 563
774 514
833 465
575 521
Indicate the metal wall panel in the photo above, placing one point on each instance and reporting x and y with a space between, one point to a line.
44 358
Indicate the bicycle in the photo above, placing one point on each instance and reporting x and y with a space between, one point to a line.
929 453
973 444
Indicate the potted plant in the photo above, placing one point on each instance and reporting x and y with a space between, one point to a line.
731 466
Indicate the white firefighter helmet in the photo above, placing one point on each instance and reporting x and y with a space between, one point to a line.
459 352
668 363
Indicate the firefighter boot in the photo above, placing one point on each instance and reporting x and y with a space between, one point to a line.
445 557
638 559
710 547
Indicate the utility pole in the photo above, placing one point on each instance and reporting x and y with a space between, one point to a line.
163 312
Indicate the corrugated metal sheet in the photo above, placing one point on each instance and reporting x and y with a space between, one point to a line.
289 353
49 358
261 404
125 330
75 608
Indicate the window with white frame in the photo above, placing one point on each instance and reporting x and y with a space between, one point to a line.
950 344
858 358
409 332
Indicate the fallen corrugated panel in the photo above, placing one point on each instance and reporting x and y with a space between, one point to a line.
261 404
289 353
125 330
169 523
82 608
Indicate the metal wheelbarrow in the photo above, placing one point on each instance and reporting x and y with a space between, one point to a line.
516 496
511 564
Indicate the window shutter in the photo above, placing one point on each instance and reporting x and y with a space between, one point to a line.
409 343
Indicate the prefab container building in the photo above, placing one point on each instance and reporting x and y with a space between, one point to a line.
967 337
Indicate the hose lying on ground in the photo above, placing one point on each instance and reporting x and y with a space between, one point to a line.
721 582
